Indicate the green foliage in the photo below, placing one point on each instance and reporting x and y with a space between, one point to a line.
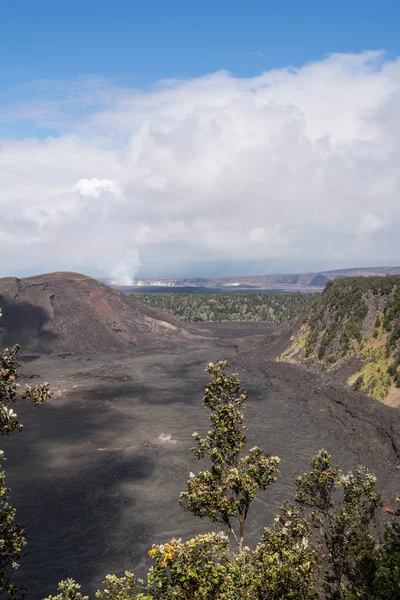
397 379
386 583
338 314
285 562
120 588
203 568
250 306
68 590
9 391
12 540
225 491
342 511
357 386
322 546
115 588
282 565
374 377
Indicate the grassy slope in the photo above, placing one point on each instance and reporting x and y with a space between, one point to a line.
355 318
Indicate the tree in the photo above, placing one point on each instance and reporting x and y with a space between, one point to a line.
387 575
9 391
285 562
342 512
12 538
225 491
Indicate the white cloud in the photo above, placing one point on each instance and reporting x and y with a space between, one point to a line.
290 165
94 187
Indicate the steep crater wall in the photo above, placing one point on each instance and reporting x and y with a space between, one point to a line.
353 330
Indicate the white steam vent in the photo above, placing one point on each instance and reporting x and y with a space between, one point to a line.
124 273
166 438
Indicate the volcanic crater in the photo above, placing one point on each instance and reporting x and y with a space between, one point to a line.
96 473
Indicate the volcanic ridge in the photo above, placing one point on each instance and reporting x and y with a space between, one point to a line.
74 314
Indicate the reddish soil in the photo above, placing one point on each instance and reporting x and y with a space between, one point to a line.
69 313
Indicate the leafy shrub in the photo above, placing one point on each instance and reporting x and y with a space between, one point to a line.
358 383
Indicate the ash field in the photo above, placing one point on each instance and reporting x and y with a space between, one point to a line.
96 473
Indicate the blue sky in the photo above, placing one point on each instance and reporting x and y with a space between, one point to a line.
144 41
166 138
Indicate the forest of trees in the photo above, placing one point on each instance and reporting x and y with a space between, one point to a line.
332 540
249 306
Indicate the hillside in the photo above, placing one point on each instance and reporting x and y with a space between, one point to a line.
353 329
251 306
74 314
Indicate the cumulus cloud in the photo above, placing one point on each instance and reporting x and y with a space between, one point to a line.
291 165
94 187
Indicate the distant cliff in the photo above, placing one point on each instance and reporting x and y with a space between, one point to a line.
353 329
283 281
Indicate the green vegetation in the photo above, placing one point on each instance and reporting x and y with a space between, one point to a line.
225 491
252 306
355 317
12 538
338 315
374 376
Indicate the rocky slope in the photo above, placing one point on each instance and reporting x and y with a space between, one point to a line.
353 330
72 313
